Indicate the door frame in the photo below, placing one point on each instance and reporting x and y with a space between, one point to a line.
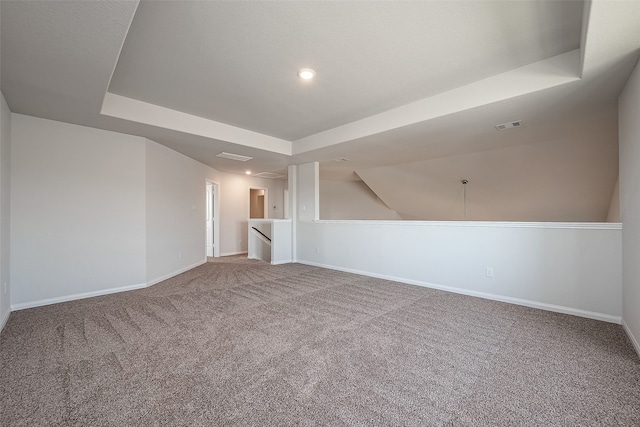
216 217
266 201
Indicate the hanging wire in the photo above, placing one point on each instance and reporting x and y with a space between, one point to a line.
464 186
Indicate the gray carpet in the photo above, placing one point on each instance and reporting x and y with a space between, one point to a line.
238 342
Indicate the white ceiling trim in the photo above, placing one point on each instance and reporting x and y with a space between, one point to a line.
150 114
559 70
551 72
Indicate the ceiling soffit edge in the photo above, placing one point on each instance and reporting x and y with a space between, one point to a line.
551 72
143 112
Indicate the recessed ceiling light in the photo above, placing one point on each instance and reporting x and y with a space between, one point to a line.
248 172
306 73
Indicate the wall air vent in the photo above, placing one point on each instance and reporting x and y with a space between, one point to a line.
509 125
268 175
237 157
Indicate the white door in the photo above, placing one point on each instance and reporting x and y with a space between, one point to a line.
210 220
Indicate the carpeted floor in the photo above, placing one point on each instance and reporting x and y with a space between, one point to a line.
239 342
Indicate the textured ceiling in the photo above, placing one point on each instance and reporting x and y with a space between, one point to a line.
399 83
236 62
57 57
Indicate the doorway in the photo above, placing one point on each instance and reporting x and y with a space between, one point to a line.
258 203
212 220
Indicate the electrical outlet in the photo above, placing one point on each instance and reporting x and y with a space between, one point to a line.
179 254
5 288
317 250
488 272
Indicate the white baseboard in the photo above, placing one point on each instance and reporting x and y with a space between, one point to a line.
527 303
65 298
288 261
175 273
633 339
4 320
233 253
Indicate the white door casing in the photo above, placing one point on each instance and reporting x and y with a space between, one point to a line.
212 220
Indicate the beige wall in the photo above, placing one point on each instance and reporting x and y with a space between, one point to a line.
234 206
568 179
351 200
614 207
256 203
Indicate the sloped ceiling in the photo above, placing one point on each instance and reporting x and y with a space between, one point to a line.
407 91
569 179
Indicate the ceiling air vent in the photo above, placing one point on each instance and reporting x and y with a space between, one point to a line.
237 157
509 125
341 159
268 175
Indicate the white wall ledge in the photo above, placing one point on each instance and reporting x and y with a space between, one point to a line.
573 268
490 224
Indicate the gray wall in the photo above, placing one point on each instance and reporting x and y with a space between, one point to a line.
175 212
97 211
77 209
5 190
567 267
629 113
